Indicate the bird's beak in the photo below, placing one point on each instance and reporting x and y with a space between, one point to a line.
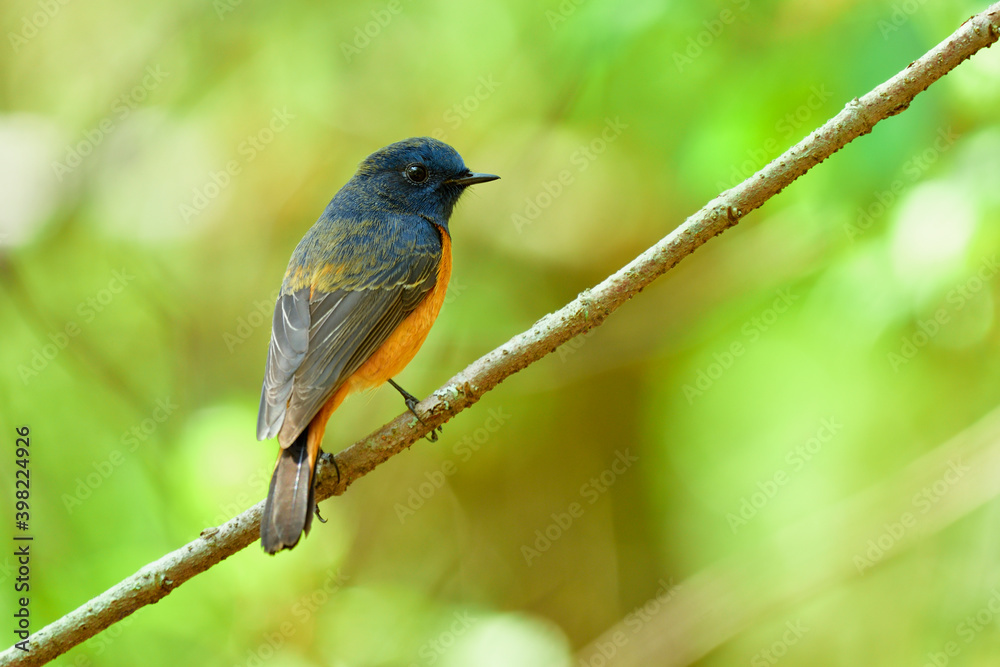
471 178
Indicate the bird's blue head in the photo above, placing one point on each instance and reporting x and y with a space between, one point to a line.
420 175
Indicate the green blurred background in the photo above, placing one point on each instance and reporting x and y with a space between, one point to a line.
159 162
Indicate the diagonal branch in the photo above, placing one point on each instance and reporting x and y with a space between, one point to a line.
587 311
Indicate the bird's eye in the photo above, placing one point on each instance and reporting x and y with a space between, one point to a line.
415 173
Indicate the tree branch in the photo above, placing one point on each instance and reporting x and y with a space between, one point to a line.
587 311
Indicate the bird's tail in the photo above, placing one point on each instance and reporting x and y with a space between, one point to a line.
288 510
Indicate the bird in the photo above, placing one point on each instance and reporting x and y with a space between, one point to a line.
361 291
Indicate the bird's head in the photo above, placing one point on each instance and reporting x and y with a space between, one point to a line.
420 175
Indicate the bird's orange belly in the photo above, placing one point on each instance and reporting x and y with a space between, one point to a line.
403 344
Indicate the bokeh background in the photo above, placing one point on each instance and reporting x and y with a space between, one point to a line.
159 161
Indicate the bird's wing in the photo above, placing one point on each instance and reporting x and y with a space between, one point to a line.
321 335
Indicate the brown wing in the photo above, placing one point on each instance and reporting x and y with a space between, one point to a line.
320 337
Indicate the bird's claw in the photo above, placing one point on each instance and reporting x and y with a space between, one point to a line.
411 404
318 516
330 459
433 435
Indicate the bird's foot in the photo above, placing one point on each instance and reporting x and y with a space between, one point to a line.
330 459
318 516
411 405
